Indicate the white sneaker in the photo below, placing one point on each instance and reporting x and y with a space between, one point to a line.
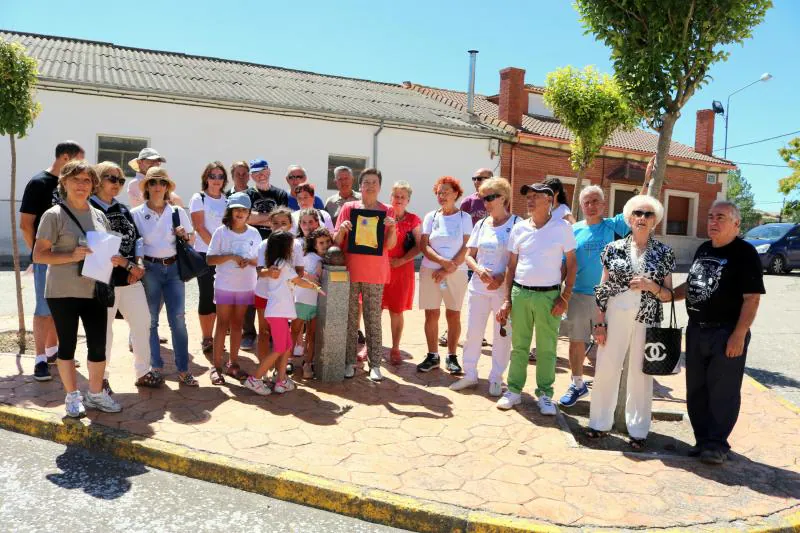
258 386
279 387
349 371
102 402
495 388
74 405
289 384
375 374
509 400
463 383
546 406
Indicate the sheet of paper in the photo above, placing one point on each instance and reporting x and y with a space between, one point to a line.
97 264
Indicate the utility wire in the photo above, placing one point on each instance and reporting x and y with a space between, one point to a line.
759 141
760 164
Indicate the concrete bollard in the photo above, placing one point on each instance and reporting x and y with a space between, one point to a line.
331 337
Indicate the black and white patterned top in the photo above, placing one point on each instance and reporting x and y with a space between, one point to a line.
657 263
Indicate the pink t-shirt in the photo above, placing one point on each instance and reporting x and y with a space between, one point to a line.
366 268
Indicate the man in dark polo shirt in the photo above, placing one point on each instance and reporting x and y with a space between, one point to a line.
40 195
722 294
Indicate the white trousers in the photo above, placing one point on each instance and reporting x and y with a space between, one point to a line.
132 303
480 308
625 335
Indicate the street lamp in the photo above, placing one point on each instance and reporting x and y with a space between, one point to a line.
717 106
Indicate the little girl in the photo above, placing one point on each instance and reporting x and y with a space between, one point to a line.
305 221
273 288
233 249
305 300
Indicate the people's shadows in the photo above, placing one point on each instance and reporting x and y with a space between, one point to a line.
771 378
98 476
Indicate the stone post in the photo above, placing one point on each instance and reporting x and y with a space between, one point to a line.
331 337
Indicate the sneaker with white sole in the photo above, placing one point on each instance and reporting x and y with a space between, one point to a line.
572 395
509 400
289 384
495 388
349 371
102 402
258 386
280 387
464 383
375 374
74 405
546 406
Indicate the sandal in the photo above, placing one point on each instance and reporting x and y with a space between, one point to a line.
233 370
188 380
208 347
152 379
637 444
216 376
594 434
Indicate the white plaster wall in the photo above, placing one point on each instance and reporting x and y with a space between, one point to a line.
191 136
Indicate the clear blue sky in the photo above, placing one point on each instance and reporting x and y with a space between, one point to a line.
426 42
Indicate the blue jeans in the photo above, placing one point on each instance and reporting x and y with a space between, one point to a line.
39 280
163 282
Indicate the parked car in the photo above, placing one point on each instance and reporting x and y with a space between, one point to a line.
778 246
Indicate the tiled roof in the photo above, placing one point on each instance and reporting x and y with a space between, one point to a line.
106 65
636 140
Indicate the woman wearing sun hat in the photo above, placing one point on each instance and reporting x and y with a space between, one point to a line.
162 280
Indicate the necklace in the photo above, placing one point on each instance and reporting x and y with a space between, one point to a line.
638 256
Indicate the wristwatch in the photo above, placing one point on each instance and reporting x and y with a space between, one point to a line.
129 266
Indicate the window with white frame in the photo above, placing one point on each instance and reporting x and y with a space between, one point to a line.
356 163
680 213
619 195
120 150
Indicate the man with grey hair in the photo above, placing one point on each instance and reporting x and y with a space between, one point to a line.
343 179
592 234
722 292
296 175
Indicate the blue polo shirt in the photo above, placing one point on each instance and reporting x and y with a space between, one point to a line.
591 240
294 206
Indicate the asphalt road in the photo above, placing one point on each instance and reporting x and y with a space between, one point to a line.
48 487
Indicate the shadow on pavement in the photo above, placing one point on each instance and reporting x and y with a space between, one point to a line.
82 470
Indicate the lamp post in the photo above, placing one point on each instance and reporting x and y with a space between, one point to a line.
764 77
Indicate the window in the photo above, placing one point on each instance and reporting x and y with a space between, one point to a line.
711 178
678 216
120 150
621 197
356 163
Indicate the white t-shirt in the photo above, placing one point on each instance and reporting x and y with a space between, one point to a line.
135 195
446 235
312 263
279 292
492 245
326 221
540 251
213 211
561 211
156 230
229 276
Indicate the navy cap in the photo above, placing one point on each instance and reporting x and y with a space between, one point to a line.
257 165
536 187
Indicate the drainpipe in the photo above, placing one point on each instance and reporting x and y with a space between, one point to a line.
375 145
471 86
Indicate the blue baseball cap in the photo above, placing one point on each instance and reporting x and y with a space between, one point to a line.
257 165
239 199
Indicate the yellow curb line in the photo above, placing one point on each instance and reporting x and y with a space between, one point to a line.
775 396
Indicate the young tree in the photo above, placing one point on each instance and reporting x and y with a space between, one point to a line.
592 106
791 154
662 52
18 109
740 193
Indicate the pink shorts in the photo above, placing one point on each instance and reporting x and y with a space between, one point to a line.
281 336
223 297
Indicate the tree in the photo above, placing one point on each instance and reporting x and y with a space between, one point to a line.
18 110
790 154
662 52
740 193
592 106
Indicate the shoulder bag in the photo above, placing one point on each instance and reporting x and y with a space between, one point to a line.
662 346
190 263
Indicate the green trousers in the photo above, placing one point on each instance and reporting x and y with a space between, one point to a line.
531 309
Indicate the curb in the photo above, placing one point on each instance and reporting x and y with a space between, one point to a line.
775 396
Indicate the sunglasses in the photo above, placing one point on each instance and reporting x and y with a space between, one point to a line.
114 179
491 197
163 183
479 178
646 214
216 176
296 177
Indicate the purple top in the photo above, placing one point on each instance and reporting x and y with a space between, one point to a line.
473 204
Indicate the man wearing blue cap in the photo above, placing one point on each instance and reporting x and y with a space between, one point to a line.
263 196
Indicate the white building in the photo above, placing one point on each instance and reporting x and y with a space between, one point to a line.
115 100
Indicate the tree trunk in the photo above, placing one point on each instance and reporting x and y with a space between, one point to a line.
619 412
15 244
662 154
576 194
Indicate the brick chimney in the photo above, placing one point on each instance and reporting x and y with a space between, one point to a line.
513 97
704 132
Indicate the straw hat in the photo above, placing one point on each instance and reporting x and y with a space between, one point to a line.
157 173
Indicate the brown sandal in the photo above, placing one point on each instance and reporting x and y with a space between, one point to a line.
637 445
151 379
233 370
594 434
216 376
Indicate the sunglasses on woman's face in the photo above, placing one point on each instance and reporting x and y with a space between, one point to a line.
162 183
490 197
114 179
646 214
213 176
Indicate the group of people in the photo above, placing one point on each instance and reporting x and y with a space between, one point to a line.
601 279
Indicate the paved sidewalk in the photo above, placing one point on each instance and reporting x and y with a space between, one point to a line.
411 437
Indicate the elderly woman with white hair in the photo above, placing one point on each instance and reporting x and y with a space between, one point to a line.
637 276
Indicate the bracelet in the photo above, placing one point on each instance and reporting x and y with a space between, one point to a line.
129 266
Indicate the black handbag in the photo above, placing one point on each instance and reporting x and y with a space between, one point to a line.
662 347
408 241
190 263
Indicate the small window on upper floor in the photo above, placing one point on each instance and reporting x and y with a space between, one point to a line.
120 150
354 162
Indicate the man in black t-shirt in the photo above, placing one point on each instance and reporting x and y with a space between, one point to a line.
722 294
263 196
41 193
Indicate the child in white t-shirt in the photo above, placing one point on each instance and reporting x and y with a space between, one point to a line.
305 221
233 249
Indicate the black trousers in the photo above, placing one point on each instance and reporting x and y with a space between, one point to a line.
205 285
713 385
93 314
249 329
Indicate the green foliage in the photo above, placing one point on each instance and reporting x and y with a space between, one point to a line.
740 193
591 105
791 154
18 109
662 50
791 211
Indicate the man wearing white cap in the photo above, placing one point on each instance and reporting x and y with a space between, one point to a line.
148 157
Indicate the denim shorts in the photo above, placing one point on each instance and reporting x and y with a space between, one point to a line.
39 281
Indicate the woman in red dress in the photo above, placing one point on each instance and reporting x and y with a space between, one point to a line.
398 294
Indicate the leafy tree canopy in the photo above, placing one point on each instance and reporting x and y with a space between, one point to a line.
740 193
18 109
791 154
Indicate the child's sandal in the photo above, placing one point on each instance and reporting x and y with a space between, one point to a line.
216 376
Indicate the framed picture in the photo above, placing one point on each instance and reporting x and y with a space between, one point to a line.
368 234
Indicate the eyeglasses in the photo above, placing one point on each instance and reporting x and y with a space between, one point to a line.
646 214
114 179
296 176
490 197
162 183
216 176
479 178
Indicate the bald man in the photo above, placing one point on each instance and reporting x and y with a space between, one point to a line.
473 204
